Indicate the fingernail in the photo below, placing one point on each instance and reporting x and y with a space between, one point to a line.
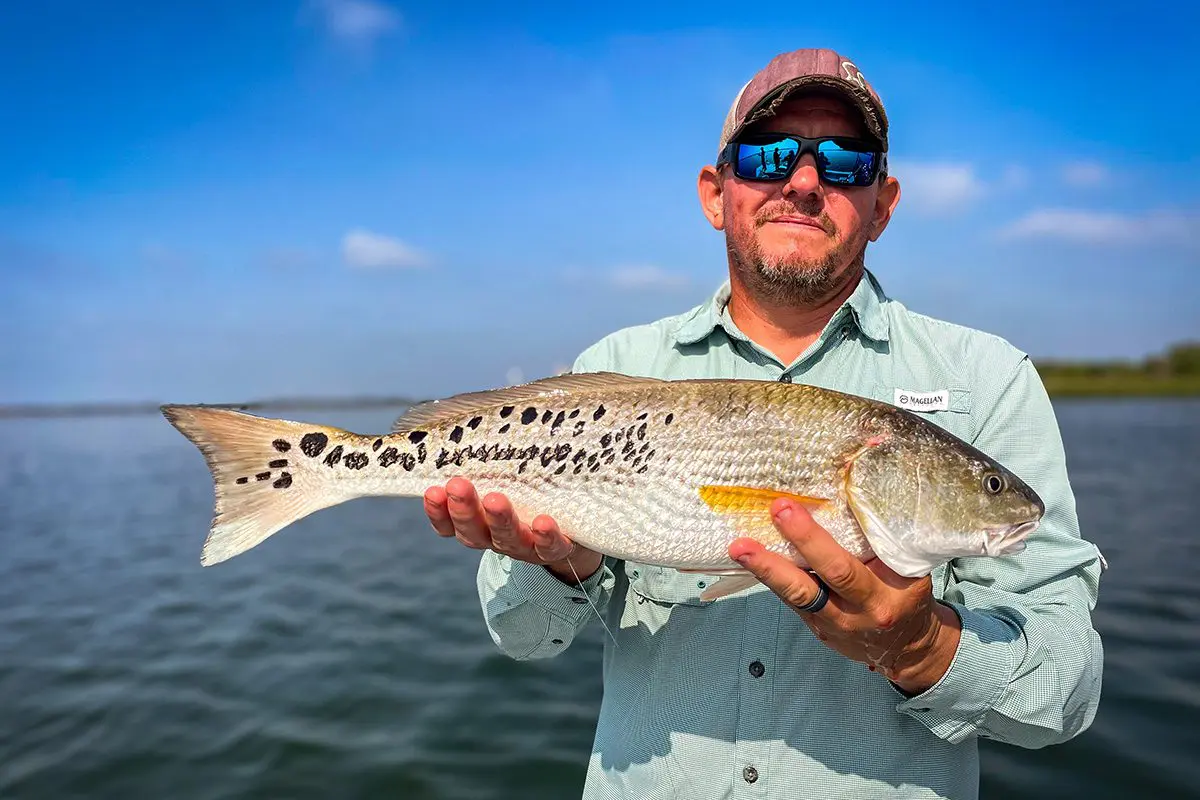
743 559
784 512
454 497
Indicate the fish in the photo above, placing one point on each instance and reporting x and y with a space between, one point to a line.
659 472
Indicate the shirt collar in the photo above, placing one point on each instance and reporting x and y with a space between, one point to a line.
865 306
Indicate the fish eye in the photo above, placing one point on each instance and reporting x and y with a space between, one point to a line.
993 483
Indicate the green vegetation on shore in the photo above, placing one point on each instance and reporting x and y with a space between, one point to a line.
1175 373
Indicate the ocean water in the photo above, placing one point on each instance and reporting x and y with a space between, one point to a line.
347 658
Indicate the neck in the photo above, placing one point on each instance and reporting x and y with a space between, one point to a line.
786 329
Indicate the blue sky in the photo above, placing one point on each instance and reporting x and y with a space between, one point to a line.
218 201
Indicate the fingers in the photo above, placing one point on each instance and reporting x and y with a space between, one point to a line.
437 511
466 514
793 585
548 541
844 574
509 535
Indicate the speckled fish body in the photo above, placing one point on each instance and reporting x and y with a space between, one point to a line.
657 472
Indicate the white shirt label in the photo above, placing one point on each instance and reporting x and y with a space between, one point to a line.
923 401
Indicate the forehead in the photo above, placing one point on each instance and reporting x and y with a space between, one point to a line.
814 113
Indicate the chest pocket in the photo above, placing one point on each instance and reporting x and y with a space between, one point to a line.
667 587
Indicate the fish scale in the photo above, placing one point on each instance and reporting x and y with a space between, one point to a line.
658 472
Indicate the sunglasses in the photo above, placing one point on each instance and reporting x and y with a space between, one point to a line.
841 161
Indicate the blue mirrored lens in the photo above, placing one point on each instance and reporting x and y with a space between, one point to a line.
766 161
843 166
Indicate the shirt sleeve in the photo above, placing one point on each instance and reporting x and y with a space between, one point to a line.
529 612
1028 665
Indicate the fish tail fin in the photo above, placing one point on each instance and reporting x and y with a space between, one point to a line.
260 485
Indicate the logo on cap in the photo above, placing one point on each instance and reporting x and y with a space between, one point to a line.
854 75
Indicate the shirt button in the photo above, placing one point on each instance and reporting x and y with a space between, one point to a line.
785 378
845 331
757 669
750 774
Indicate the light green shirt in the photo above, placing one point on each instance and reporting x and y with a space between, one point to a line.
736 698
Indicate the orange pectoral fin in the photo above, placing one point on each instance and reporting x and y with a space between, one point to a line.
746 501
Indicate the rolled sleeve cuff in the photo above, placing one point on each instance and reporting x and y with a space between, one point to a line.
537 585
954 708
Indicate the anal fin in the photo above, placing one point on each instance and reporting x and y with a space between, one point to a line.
731 583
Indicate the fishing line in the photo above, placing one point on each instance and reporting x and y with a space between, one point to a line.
590 603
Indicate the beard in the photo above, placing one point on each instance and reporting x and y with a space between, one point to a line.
794 278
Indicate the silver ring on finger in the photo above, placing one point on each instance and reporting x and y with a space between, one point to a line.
818 602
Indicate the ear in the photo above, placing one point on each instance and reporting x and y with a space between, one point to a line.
885 203
711 186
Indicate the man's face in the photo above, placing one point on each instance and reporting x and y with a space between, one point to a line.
798 240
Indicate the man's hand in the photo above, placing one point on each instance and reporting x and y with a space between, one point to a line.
492 524
888 622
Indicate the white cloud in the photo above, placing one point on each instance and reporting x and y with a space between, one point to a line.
1107 227
362 248
646 276
630 277
357 22
1084 173
933 188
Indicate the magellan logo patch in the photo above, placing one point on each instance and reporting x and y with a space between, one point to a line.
853 74
923 401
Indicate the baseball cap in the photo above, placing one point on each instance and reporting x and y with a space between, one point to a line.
799 69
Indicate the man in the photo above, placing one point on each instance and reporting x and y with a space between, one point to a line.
860 683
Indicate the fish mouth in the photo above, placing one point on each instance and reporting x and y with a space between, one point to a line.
1003 540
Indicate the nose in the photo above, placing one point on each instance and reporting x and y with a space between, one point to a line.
804 179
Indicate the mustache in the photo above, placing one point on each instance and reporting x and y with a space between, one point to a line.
785 209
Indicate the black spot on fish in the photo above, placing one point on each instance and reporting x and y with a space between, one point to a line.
642 470
357 460
595 467
243 480
606 440
282 445
375 447
504 428
599 413
528 415
628 449
580 455
474 423
262 476
561 469
456 434
547 457
562 451
504 412
578 470
285 480
670 418
313 444
592 460
335 455
645 447
558 421
416 437
389 456
421 452
408 462
578 428
611 456
442 458
643 415
547 416
642 432
574 413
521 467
277 463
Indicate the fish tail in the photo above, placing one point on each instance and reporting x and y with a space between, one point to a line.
261 475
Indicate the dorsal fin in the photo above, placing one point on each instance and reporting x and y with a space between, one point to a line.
448 409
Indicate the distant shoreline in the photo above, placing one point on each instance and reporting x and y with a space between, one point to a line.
1060 387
